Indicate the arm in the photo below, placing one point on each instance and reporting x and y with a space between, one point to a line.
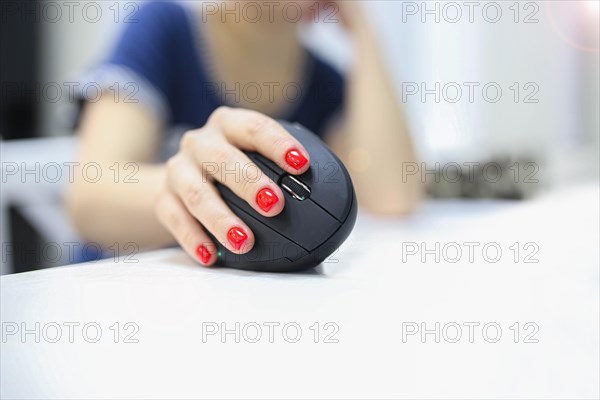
115 210
375 143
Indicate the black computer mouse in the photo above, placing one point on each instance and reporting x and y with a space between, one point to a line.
319 214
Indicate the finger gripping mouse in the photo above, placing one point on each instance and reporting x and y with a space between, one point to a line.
319 214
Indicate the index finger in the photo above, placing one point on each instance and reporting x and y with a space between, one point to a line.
251 130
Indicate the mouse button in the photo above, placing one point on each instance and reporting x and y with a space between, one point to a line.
270 245
264 163
304 223
330 184
297 189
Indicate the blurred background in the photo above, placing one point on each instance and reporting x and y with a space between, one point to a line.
511 84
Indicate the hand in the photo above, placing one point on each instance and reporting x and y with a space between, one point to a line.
190 202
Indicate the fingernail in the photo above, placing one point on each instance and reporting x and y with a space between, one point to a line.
203 254
295 159
266 199
237 237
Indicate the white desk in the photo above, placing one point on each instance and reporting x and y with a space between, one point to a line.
369 294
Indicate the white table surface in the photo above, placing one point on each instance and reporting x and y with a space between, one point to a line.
369 294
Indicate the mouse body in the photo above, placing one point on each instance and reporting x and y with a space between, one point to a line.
319 214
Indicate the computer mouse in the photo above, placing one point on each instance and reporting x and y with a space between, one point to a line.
319 214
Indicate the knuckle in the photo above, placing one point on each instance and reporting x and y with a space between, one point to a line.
252 173
219 114
172 221
247 187
222 155
172 165
258 124
188 140
220 222
194 196
188 239
282 143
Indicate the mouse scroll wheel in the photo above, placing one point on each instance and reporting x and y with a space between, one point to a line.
294 187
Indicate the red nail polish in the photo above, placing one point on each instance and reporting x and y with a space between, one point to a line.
203 254
295 159
266 199
237 237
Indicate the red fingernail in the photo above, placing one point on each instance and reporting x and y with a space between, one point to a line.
237 237
203 254
295 159
266 199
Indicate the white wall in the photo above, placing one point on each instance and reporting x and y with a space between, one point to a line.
556 130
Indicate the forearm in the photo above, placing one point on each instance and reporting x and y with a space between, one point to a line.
377 141
119 207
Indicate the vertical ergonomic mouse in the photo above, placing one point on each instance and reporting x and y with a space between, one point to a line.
319 214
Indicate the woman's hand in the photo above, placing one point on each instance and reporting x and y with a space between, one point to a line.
190 202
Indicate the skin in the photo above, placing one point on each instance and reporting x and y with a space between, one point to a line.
178 202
